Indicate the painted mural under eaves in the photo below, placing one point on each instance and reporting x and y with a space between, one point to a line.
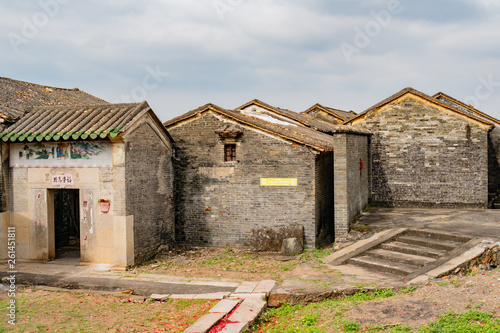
61 154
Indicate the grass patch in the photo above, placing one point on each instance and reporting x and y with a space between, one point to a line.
327 316
472 321
351 326
316 255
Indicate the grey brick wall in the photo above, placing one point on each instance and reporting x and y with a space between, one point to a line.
218 203
493 149
149 188
351 183
425 156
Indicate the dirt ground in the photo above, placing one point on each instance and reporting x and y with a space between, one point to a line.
48 311
233 264
455 294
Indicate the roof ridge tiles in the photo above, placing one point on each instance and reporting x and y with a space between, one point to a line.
469 107
140 109
76 122
418 93
300 133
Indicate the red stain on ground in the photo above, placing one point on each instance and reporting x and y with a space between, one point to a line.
224 321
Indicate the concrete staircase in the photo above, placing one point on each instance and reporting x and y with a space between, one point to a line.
407 253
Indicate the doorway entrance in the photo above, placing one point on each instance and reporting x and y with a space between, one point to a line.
67 224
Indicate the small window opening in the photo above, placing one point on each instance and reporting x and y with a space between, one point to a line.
230 153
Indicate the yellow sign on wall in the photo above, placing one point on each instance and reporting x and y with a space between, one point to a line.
278 182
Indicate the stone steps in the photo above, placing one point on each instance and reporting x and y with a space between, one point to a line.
430 243
438 235
399 257
413 249
383 265
408 252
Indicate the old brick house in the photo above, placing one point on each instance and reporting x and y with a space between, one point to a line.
428 151
239 170
99 176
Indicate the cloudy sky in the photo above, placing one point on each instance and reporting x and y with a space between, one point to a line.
180 54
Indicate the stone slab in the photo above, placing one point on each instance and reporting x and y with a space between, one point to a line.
225 306
235 328
220 295
159 297
271 239
246 287
183 296
291 247
248 311
265 286
422 279
260 296
205 323
277 299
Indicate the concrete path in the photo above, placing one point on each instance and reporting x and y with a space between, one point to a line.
100 277
474 223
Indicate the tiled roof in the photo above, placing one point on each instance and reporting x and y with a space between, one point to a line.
342 115
416 93
304 119
447 99
295 133
21 96
74 122
8 114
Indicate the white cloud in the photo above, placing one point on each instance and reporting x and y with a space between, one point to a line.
285 52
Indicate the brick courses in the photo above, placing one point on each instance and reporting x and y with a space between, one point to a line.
426 155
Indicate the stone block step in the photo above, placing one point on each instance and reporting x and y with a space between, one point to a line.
438 235
382 265
428 242
399 257
249 310
413 249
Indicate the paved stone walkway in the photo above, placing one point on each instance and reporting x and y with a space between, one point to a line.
475 223
252 300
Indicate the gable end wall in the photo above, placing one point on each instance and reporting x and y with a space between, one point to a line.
425 156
